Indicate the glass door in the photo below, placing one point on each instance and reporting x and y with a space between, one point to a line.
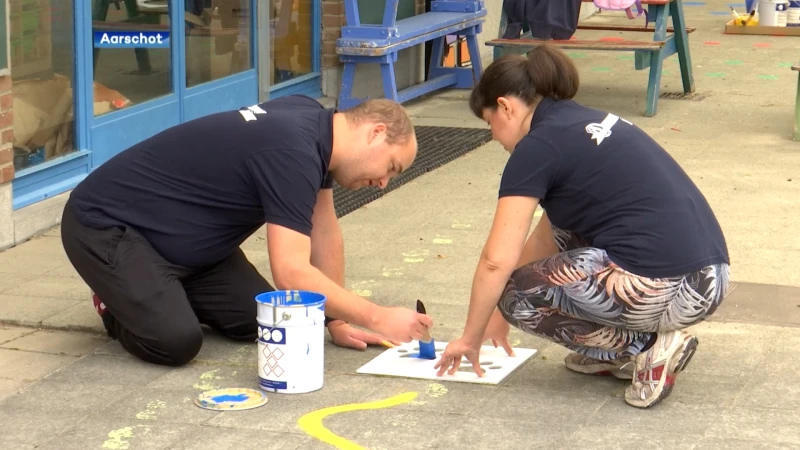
219 59
207 67
295 33
135 90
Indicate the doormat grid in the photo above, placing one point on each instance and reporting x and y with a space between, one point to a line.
436 146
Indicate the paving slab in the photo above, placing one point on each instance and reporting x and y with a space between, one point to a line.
281 413
31 311
237 439
57 343
29 366
8 333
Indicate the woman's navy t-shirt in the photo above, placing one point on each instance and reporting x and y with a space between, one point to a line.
603 178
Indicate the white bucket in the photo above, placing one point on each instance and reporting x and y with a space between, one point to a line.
291 341
772 13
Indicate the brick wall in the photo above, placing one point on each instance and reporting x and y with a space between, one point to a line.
332 21
6 130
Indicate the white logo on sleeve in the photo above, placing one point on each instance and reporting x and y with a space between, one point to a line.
602 130
250 112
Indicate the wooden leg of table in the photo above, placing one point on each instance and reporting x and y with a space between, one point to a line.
682 44
654 83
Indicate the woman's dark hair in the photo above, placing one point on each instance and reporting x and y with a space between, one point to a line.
546 72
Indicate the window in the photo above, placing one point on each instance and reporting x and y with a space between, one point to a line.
42 61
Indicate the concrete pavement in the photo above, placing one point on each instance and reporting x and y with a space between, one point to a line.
64 385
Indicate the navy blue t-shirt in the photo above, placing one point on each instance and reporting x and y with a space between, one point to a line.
603 178
196 191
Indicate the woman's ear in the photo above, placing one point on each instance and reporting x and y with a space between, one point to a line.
504 107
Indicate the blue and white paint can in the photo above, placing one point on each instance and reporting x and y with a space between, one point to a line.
291 341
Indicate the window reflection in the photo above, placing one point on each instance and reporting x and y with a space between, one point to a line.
125 76
291 22
41 72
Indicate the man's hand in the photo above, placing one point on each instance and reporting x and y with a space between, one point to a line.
347 336
401 324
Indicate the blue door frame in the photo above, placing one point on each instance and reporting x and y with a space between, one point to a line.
97 139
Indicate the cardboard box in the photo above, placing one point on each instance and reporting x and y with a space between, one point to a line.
731 28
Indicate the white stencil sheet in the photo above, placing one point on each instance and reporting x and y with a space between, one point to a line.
497 365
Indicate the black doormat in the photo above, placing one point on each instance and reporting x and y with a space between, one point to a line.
436 146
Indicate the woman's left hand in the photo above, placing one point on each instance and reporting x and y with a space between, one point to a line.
451 358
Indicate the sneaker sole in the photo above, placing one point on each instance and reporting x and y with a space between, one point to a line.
681 359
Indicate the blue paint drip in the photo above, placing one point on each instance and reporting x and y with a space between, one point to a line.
694 3
230 398
308 349
720 13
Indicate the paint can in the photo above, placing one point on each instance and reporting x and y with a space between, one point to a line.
291 341
772 13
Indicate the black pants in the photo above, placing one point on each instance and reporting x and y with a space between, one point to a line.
155 308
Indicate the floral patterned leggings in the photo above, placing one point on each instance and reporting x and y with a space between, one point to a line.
583 301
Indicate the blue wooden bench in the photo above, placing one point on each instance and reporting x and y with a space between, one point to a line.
667 41
379 44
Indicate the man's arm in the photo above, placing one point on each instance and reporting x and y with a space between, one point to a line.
327 245
290 256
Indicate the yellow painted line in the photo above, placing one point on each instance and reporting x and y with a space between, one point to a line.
311 423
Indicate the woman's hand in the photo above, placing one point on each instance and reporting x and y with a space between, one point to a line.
497 331
451 358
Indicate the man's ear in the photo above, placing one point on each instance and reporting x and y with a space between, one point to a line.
377 131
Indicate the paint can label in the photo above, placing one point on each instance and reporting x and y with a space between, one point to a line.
290 360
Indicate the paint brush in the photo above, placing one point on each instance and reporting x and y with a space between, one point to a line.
427 348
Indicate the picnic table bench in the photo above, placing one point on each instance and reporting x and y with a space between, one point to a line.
666 42
379 44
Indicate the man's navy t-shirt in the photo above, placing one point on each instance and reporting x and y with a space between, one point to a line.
196 191
603 178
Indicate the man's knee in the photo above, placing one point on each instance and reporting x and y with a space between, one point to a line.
174 347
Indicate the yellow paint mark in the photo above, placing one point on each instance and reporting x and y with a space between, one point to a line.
515 342
150 412
435 390
392 272
311 423
442 240
460 226
415 256
205 383
362 288
117 439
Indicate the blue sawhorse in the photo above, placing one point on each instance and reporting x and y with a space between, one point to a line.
379 44
667 41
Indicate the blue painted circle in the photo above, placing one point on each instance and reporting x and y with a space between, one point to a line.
291 298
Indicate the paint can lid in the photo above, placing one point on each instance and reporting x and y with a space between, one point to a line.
231 399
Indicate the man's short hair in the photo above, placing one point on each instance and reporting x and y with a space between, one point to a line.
398 125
